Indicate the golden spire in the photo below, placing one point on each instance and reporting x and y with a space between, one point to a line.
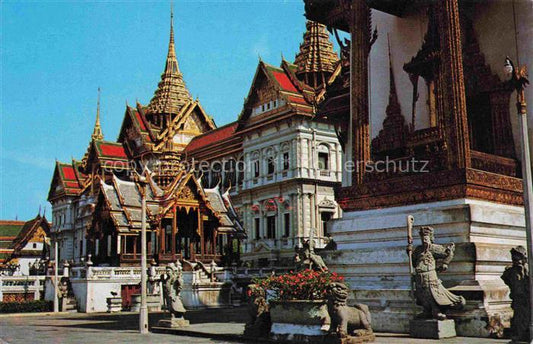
171 93
97 132
316 59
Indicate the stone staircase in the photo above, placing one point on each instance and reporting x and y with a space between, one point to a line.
235 298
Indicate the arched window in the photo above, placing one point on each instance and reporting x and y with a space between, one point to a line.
240 170
255 165
270 161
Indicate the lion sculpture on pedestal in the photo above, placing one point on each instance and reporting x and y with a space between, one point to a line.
346 320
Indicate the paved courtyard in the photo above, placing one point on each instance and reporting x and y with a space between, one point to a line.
66 328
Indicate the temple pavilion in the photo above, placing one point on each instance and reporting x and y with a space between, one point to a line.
96 201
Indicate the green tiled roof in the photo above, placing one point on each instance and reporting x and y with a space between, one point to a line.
10 230
5 244
5 255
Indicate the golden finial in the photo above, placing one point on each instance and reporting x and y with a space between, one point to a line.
97 132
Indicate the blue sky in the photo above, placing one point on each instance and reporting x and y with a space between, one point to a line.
55 55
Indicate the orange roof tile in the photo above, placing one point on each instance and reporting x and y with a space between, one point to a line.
211 137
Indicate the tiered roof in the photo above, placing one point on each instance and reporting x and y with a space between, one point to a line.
225 212
171 93
123 200
28 232
296 93
316 51
9 230
316 55
68 180
14 235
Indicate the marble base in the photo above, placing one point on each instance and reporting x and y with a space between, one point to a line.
432 329
173 323
371 255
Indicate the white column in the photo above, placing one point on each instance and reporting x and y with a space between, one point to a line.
340 168
108 245
96 247
119 244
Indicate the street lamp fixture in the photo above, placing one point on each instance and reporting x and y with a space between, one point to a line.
519 82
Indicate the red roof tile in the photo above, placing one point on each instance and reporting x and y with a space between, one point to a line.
72 184
113 150
211 137
299 100
139 119
284 81
68 172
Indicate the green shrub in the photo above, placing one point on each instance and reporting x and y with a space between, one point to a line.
26 307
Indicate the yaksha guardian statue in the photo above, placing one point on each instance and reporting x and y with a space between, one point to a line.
517 278
172 285
427 259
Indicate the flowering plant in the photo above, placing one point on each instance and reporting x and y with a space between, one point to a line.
301 285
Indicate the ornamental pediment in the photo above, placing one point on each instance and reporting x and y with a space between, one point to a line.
327 203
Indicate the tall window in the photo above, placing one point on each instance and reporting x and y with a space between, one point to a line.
256 168
270 165
286 163
257 228
240 171
271 227
323 161
323 157
287 224
325 217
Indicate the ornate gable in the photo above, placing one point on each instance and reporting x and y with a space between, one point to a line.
188 192
189 123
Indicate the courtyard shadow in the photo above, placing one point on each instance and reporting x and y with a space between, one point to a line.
130 321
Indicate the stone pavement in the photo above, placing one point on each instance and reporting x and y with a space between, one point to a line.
214 326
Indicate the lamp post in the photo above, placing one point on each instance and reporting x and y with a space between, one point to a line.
56 267
143 313
519 81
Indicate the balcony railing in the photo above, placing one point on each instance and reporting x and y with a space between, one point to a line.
22 285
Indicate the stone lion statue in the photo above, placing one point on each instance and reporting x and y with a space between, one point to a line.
259 322
346 320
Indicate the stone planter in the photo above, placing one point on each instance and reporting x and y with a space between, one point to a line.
298 320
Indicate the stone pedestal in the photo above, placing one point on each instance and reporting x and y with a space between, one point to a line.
114 304
371 255
173 323
432 329
153 302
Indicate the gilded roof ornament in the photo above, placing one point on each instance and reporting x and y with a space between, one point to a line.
97 131
171 93
316 51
